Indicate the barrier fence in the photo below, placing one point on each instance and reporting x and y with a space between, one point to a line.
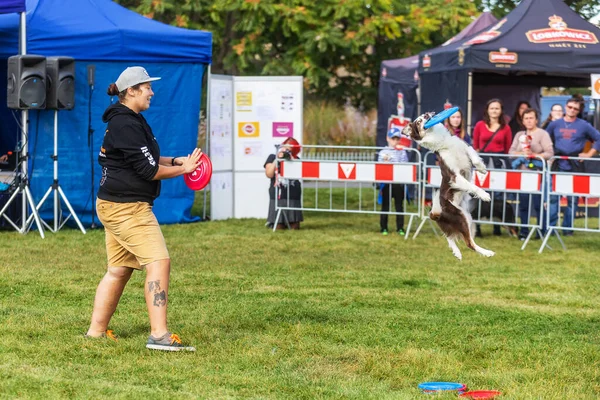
319 171
570 191
334 178
514 193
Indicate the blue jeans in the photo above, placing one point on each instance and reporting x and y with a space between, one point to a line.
570 209
524 211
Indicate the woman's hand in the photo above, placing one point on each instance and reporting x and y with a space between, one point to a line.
190 163
3 158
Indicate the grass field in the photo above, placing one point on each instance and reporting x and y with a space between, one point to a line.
334 310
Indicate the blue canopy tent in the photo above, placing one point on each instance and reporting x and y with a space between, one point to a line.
540 43
12 6
103 34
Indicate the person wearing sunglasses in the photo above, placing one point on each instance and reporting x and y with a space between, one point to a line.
569 136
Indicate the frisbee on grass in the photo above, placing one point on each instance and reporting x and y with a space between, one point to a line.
432 387
198 179
441 117
480 394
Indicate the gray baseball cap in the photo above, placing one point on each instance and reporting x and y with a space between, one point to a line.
133 76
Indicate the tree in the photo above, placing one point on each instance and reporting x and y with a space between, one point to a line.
337 45
586 8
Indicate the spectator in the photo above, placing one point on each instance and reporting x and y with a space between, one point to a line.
569 136
392 154
456 126
556 112
532 142
516 122
289 193
492 135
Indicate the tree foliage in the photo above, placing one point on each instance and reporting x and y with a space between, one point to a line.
586 8
337 45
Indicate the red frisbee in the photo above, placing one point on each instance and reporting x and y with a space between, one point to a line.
198 179
480 394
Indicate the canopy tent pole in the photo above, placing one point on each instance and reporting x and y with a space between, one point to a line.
419 97
469 101
207 132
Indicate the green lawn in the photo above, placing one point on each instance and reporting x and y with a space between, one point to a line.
334 310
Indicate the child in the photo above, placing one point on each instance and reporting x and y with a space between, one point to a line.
393 153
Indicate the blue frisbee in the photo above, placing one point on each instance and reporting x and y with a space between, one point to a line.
441 117
431 387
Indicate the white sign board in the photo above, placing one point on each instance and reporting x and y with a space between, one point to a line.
266 111
248 116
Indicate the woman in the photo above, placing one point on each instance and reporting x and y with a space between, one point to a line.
492 135
556 112
132 168
456 125
532 144
516 123
289 193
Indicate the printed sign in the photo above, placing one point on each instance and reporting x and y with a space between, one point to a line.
243 101
488 35
426 61
283 129
595 86
248 129
503 56
560 32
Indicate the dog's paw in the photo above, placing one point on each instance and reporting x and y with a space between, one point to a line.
457 254
483 195
487 253
480 167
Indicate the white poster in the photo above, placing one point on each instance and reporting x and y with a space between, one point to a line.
249 116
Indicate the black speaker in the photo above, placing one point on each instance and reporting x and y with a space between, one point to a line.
26 87
60 80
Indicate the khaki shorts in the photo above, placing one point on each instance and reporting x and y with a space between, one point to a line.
133 236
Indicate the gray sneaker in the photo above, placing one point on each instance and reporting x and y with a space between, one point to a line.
169 342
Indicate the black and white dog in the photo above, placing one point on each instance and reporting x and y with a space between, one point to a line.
450 206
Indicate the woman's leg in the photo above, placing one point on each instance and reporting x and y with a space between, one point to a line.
156 293
108 294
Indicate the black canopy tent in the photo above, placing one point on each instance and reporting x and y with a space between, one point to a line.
401 76
540 43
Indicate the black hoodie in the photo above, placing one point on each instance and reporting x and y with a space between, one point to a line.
129 158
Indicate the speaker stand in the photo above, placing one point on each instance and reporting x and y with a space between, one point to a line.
57 191
23 188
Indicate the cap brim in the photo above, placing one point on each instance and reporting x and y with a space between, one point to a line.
151 80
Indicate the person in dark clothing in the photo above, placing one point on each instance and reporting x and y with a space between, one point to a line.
516 122
132 169
289 191
569 136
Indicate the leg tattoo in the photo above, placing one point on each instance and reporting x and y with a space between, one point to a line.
160 297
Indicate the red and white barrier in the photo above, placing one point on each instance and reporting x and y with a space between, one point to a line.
348 171
576 185
523 181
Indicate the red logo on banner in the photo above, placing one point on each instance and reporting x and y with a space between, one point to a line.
346 171
560 32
